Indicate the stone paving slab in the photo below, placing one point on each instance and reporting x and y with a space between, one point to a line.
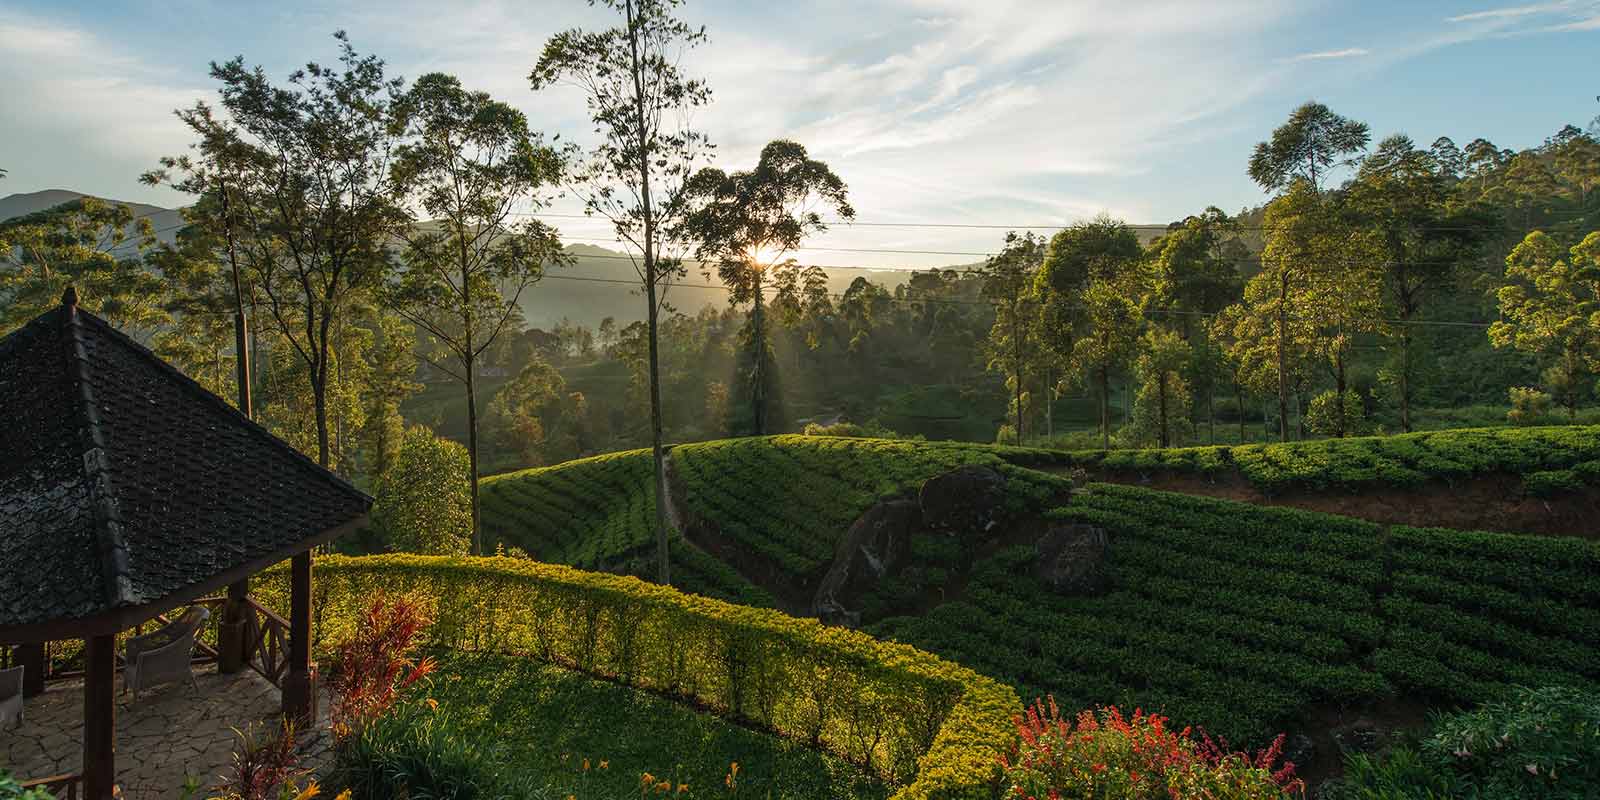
172 733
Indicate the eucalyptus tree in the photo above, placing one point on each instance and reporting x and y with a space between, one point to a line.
1307 146
310 210
97 246
1089 287
1404 195
641 103
750 223
1008 278
473 169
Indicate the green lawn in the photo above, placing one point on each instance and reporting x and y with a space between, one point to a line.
550 720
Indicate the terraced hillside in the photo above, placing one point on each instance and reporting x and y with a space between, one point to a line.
1534 480
1242 618
599 514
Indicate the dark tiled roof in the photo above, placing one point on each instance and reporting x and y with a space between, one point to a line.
123 482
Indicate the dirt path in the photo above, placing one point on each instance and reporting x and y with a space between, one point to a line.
1487 502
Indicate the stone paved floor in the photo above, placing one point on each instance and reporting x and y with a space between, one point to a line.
172 733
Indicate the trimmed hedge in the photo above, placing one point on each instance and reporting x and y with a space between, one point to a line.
1551 460
918 720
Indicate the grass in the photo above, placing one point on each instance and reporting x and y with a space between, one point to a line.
550 720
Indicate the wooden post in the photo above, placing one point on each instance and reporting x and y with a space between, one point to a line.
299 685
230 629
100 718
31 656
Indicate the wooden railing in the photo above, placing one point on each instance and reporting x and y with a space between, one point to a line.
63 658
266 641
64 787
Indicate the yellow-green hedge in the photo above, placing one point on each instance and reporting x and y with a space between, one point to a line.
932 726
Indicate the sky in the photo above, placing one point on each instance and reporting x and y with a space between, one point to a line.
1009 113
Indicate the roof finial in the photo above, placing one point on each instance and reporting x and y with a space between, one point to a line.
69 297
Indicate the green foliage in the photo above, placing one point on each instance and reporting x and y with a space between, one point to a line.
418 751
1548 308
535 416
11 789
424 503
916 719
1541 744
1528 405
1328 416
89 244
1306 146
1161 409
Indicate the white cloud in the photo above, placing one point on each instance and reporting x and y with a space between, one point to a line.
1510 12
1349 52
77 104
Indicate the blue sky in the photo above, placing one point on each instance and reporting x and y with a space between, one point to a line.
1005 112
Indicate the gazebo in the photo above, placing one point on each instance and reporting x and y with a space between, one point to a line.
127 490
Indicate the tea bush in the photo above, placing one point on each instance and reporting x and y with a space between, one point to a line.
1389 461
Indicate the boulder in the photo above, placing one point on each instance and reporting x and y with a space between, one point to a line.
1070 557
963 501
873 547
1299 750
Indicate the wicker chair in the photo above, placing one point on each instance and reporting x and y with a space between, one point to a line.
11 695
163 656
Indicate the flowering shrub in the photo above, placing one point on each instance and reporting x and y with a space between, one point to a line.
374 665
1107 755
266 768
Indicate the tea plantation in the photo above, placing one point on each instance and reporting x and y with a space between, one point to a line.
1240 618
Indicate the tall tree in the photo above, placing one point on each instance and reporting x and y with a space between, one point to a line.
1404 196
1088 288
641 103
1298 235
1008 278
96 246
1163 402
1550 306
308 164
469 163
749 223
1311 142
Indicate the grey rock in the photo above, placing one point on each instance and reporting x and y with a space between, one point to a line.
1070 558
963 501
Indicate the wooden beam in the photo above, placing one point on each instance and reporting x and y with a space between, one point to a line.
230 628
100 718
299 687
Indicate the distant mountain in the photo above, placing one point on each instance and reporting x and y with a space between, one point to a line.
601 283
166 221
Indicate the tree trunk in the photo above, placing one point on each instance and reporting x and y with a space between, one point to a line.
1161 397
1238 394
1341 425
658 453
758 395
472 447
1283 374
1405 377
1105 408
319 402
1211 410
1049 403
1016 359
